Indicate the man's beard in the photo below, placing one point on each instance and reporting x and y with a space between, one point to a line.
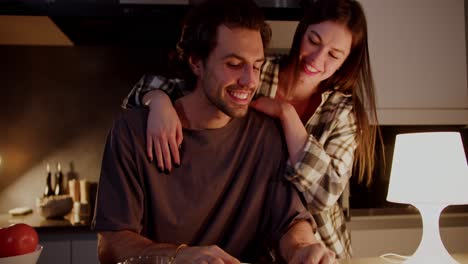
236 111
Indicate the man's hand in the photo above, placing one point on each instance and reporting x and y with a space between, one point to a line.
299 246
204 255
316 253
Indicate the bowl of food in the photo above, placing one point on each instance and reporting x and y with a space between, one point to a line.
28 258
55 206
19 244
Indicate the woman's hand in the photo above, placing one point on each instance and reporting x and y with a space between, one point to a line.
269 106
163 132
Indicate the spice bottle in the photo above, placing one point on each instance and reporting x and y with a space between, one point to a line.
59 180
48 190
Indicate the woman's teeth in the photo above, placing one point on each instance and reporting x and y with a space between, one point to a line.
311 69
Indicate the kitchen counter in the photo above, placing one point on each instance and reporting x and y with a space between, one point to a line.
73 242
461 258
40 223
379 231
386 219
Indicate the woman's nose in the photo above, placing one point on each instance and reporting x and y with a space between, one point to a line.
318 57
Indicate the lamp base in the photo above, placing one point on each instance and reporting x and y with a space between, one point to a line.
431 250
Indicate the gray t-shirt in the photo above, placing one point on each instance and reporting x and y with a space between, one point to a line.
229 190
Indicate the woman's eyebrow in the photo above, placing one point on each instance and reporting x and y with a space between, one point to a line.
315 33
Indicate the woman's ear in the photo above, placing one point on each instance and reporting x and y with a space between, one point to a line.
196 65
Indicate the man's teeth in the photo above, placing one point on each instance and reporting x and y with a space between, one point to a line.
310 68
240 95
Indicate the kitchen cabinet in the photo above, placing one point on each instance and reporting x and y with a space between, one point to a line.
84 250
418 58
68 247
55 251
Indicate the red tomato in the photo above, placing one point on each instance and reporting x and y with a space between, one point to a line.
17 239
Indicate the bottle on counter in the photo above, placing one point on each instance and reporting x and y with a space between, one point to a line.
72 174
48 191
59 180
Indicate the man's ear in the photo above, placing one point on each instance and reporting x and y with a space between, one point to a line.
196 65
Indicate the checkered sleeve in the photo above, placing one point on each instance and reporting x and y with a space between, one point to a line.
326 165
268 78
174 88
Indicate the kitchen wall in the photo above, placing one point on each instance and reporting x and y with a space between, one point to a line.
57 104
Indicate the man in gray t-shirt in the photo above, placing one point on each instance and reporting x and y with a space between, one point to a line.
226 202
228 191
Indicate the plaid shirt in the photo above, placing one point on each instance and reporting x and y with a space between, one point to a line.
323 172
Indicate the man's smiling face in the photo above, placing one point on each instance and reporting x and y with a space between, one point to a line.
230 75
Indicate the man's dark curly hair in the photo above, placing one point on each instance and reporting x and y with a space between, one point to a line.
199 33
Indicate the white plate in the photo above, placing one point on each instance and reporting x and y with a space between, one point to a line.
20 211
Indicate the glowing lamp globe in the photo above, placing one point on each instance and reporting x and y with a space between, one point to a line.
430 172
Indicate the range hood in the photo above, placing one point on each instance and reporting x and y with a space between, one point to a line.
154 23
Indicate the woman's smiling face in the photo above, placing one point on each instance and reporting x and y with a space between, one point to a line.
324 48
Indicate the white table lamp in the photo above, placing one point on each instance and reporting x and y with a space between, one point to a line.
429 171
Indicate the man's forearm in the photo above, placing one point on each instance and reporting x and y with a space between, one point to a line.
117 246
300 234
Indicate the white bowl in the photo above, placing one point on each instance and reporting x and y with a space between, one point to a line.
30 258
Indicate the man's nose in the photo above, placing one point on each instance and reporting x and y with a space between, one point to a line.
249 78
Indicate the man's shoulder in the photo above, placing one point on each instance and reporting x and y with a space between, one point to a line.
134 117
261 117
132 114
268 126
